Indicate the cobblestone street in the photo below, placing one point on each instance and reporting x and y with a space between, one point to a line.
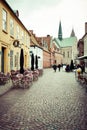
54 102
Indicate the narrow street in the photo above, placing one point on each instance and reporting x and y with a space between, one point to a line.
54 102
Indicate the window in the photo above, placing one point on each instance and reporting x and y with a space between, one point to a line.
68 54
17 33
27 40
16 59
11 59
63 54
25 37
45 45
4 20
22 36
11 27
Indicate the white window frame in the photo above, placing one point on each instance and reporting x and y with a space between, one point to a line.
11 27
22 36
4 20
18 31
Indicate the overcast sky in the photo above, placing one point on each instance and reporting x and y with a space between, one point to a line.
43 16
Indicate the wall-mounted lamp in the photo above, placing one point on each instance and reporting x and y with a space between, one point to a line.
38 57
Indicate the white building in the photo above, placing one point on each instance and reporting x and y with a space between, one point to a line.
36 50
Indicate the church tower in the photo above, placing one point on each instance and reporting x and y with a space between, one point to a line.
72 33
60 32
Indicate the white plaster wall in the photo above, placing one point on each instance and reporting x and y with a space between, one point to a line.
39 52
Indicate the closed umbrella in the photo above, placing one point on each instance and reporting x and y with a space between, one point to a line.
36 62
32 61
21 62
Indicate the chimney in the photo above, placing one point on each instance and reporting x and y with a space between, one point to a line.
16 12
48 35
31 31
85 27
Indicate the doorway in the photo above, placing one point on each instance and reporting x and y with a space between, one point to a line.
25 61
2 59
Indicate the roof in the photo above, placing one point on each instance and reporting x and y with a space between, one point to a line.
57 41
72 33
66 42
34 42
60 31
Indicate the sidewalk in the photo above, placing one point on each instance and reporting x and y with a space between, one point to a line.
5 88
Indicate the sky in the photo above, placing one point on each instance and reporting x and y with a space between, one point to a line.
43 16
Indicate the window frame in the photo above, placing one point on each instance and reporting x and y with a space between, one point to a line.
4 20
11 27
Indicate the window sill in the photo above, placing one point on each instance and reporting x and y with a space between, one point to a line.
12 36
5 31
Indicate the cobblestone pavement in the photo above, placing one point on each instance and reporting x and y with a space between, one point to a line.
54 102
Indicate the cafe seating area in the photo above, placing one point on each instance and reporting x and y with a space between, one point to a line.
26 79
4 78
19 80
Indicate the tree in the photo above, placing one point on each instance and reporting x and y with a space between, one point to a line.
21 62
32 62
71 65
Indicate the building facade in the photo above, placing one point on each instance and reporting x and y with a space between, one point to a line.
45 43
13 37
82 49
68 46
37 51
57 52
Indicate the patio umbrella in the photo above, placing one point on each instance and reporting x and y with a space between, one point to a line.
21 62
32 61
36 62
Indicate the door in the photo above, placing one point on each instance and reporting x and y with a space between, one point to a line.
2 59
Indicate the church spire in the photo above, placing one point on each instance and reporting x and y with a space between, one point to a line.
72 33
60 32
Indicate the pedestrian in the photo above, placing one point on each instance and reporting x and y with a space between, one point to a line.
59 66
55 66
67 68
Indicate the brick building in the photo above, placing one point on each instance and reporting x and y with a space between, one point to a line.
45 42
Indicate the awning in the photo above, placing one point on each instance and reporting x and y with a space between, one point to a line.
82 57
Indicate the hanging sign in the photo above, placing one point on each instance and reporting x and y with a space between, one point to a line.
16 43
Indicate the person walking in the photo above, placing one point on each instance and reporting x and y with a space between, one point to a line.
55 66
59 66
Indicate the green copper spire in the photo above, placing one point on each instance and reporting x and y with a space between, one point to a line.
60 32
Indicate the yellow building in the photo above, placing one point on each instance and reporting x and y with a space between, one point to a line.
12 31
